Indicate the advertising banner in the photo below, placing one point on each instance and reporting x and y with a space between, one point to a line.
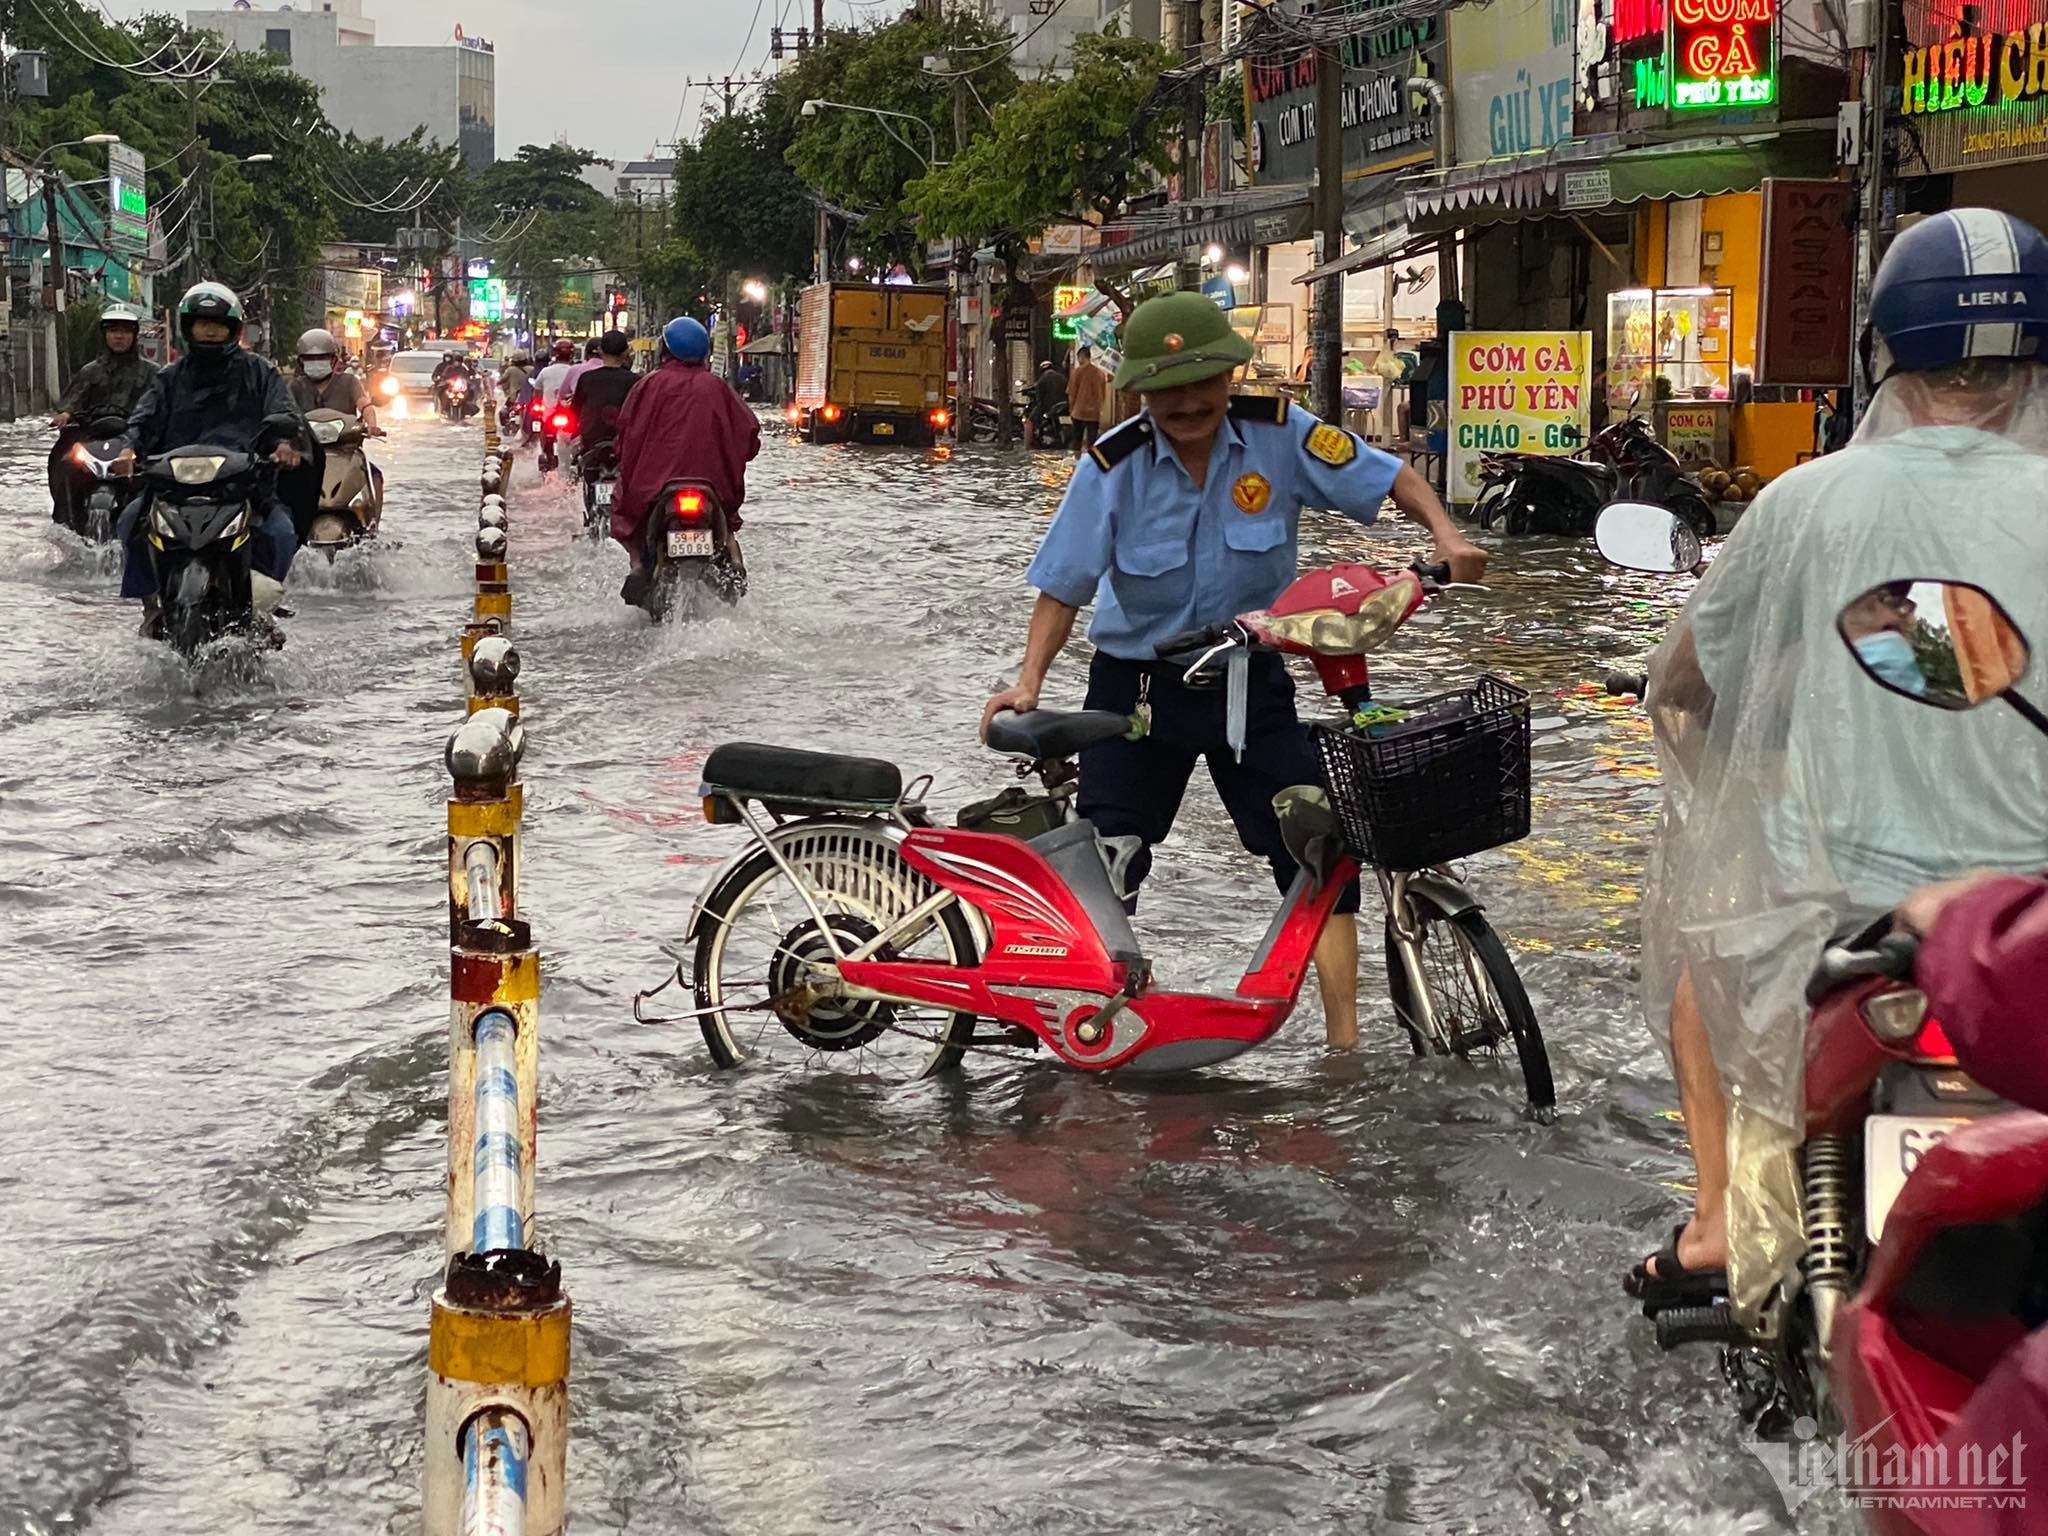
1384 127
127 197
1974 100
1516 392
1511 72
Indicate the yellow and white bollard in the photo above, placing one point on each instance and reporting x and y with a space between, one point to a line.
493 584
495 980
493 675
498 1399
483 817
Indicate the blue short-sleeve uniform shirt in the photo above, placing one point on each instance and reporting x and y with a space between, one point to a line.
1156 556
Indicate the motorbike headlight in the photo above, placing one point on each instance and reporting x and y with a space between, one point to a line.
327 431
388 386
197 470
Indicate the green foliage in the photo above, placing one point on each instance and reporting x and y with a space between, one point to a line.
374 167
738 206
1056 149
864 163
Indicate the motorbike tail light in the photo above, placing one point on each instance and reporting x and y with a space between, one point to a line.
79 455
559 420
1896 1016
830 413
940 418
537 410
690 506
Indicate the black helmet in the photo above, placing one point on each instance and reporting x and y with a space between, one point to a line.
614 344
210 301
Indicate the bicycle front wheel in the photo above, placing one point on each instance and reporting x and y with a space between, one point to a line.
1478 998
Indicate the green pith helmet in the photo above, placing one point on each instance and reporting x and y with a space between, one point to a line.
1176 339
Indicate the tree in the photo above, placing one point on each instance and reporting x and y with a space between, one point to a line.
1056 149
377 170
737 203
555 224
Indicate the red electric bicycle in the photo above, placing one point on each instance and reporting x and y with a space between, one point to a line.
853 932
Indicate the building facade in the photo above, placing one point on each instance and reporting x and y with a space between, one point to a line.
371 89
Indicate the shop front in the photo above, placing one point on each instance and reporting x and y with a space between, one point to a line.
1973 99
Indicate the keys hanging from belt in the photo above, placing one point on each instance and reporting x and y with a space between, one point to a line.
1237 674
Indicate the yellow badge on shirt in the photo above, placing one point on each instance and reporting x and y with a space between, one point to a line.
1333 445
1251 493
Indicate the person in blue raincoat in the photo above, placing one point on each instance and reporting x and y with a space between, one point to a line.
1184 516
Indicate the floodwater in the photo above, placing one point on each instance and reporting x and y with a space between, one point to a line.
1293 1293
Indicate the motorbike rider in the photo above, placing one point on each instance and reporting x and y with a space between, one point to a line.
109 385
550 379
1797 796
322 384
1048 402
215 393
576 371
1183 516
514 374
600 392
680 422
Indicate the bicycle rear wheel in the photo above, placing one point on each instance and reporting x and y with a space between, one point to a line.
763 960
1478 997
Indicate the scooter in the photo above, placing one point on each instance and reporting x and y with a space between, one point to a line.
598 466
1548 494
852 925
688 547
1887 1231
455 397
95 494
351 488
558 422
199 514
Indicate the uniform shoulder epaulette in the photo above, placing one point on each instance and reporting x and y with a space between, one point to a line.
1113 448
1271 409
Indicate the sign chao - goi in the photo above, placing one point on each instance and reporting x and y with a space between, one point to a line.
1808 246
1516 392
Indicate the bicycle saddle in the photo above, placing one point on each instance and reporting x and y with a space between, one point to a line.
1044 735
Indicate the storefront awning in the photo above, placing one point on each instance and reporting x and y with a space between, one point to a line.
1596 175
1396 244
1269 216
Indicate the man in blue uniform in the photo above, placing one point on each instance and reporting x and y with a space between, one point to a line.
1185 516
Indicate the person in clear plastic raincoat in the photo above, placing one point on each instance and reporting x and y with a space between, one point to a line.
1798 793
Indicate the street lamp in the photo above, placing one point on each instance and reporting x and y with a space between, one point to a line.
930 162
259 159
755 290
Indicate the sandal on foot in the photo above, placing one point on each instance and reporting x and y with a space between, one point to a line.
1662 1280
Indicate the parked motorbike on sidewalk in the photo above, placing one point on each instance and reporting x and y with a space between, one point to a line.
201 507
852 931
1547 494
351 488
688 549
93 494
1909 1267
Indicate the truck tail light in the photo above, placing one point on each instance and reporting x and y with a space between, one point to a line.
830 413
793 415
940 418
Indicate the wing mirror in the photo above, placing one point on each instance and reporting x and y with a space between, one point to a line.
1640 536
1947 644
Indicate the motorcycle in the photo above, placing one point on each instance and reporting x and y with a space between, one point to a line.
351 488
95 495
554 423
1916 1181
455 397
1051 425
598 466
688 547
201 505
852 923
1542 493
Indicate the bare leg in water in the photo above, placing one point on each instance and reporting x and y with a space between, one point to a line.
1704 1242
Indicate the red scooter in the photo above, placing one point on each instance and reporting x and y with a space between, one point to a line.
852 925
1924 1195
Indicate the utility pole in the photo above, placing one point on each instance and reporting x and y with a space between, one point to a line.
60 360
728 88
963 273
1326 328
195 256
1871 233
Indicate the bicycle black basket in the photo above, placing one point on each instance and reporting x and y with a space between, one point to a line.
1451 780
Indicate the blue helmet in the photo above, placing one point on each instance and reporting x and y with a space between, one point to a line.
1969 283
688 340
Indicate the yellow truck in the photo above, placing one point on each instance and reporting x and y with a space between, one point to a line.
871 363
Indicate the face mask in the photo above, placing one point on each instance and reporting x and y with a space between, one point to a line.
316 367
1889 655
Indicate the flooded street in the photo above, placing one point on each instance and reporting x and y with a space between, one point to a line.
1350 1295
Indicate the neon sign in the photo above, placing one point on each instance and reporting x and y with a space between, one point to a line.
1975 71
1723 53
1638 19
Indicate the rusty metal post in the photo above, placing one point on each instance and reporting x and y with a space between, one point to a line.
498 1398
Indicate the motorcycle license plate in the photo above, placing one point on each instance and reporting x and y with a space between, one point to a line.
690 544
603 492
1892 1148
885 429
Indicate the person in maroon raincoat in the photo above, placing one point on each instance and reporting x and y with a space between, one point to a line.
681 422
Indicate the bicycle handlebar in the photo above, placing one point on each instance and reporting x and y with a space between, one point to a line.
1433 578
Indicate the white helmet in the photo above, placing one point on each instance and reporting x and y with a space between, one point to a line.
121 314
318 343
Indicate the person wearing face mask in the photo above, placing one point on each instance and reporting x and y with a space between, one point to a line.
1186 515
322 385
215 393
1878 625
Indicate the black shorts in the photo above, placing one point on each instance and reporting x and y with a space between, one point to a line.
1134 788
